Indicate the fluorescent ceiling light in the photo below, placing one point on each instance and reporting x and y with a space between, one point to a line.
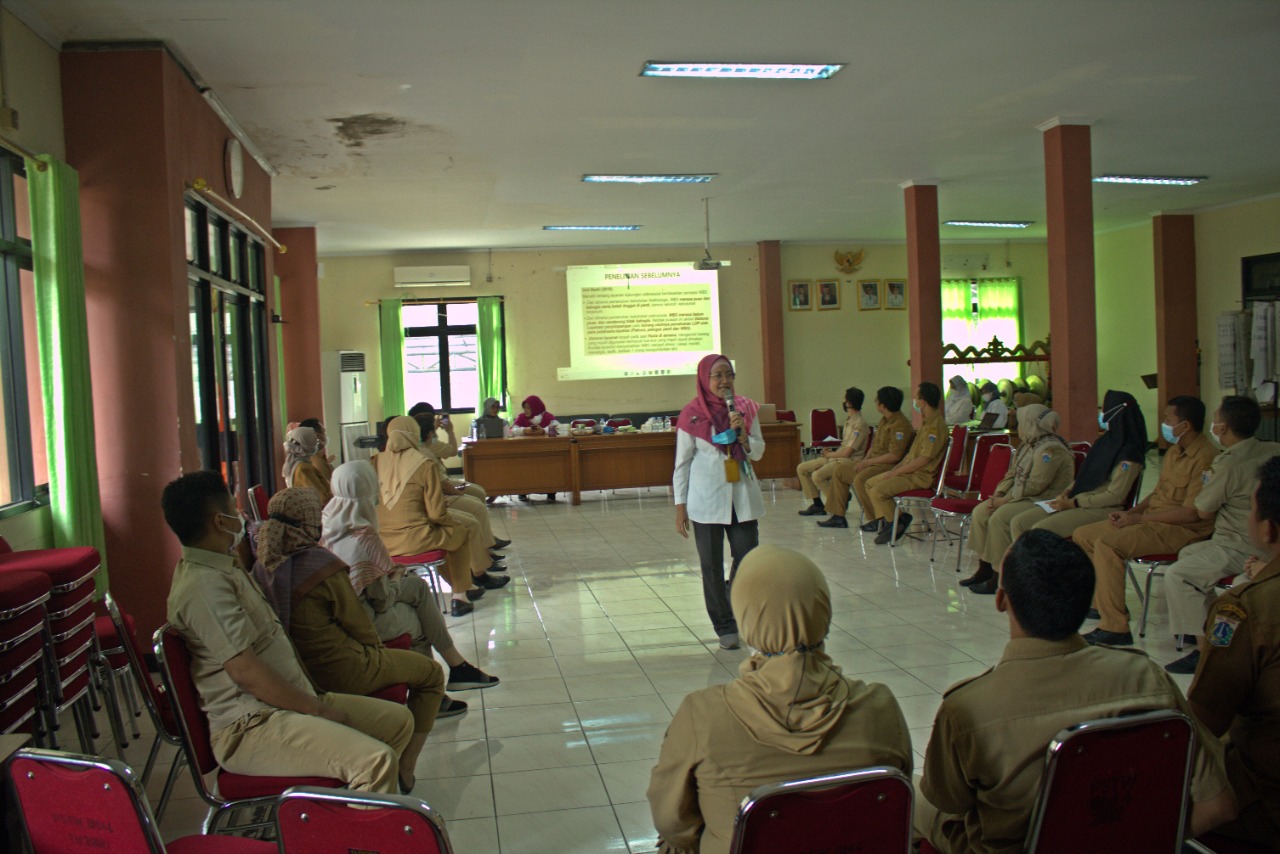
978 223
648 179
1163 180
591 228
742 70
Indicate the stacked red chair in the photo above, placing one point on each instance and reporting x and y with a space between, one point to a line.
22 598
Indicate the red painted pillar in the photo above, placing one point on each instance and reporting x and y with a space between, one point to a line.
1073 331
1176 338
771 299
924 284
300 332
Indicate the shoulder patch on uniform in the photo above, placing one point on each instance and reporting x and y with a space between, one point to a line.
1225 622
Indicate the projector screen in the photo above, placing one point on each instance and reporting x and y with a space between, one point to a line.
640 320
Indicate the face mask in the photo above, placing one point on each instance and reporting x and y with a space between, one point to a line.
236 536
1167 432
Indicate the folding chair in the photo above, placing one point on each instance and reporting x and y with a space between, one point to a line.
919 497
338 821
996 466
70 802
233 791
1116 784
863 810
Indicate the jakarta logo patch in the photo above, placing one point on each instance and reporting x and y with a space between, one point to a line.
1225 623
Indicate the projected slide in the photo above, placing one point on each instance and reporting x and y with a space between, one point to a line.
640 320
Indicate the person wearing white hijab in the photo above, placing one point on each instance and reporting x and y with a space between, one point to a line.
790 713
397 603
958 408
300 445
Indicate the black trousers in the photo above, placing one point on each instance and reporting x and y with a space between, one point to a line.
743 537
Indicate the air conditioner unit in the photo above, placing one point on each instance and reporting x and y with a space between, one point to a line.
433 277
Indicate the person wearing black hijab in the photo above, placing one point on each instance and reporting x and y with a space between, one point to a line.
1108 477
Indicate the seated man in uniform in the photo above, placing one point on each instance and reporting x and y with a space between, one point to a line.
985 758
265 716
1164 522
1237 685
1228 484
815 475
917 469
893 437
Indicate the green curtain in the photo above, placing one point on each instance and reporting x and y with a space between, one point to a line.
63 331
492 348
392 351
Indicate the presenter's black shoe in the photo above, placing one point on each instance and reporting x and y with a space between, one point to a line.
814 509
985 588
1092 614
870 527
475 592
1101 637
451 708
491 582
834 522
885 532
1187 664
499 544
985 572
904 522
467 677
460 608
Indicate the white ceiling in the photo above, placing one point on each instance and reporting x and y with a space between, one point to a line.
493 110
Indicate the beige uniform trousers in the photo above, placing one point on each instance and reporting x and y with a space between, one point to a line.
989 530
1189 583
860 487
1063 523
816 475
881 489
279 743
1110 548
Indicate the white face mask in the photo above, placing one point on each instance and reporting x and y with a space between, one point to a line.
236 536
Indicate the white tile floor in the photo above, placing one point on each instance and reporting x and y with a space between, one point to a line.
602 632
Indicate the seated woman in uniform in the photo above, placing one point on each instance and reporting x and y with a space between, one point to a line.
790 712
1107 476
308 588
415 517
396 603
300 446
1041 469
535 420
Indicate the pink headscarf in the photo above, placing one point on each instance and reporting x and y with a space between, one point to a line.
540 416
706 415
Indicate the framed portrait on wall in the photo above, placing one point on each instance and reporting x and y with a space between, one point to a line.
799 296
895 293
828 294
868 294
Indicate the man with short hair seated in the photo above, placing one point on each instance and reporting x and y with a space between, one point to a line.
1236 691
917 469
985 759
815 475
265 716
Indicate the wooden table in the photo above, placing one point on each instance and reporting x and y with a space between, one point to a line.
574 464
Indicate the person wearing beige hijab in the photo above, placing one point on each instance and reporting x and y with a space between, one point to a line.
1042 468
415 518
789 714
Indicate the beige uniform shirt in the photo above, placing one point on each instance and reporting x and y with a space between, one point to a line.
220 612
1038 473
1228 485
893 436
986 754
709 762
1113 494
855 437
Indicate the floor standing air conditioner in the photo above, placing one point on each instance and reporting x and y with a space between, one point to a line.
354 399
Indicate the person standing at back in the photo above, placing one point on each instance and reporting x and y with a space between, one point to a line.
715 486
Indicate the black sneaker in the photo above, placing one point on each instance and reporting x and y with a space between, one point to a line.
904 522
1187 664
814 509
474 593
834 522
499 545
451 708
884 533
460 608
490 582
1101 637
870 527
467 677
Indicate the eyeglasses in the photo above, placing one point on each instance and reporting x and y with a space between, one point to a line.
720 376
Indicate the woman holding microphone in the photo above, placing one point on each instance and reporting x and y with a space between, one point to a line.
717 439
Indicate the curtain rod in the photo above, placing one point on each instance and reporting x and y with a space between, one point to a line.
23 152
200 185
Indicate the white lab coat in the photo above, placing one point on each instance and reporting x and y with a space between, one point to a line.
700 485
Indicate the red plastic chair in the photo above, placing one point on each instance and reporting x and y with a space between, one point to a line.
327 821
920 497
258 500
233 790
70 802
995 467
864 810
427 567
1117 784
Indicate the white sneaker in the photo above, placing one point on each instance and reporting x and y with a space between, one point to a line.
729 641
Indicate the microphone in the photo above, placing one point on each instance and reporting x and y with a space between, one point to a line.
728 402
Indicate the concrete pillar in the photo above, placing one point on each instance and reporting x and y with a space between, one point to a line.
771 300
924 284
1174 240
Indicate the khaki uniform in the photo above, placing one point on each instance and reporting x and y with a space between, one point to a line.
1237 691
221 612
986 753
893 436
709 762
1109 547
1035 474
1092 506
930 442
1228 486
815 475
421 522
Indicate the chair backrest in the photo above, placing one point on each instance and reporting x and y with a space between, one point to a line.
865 810
258 503
1117 784
959 437
156 702
997 466
338 821
822 425
70 803
981 450
180 687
